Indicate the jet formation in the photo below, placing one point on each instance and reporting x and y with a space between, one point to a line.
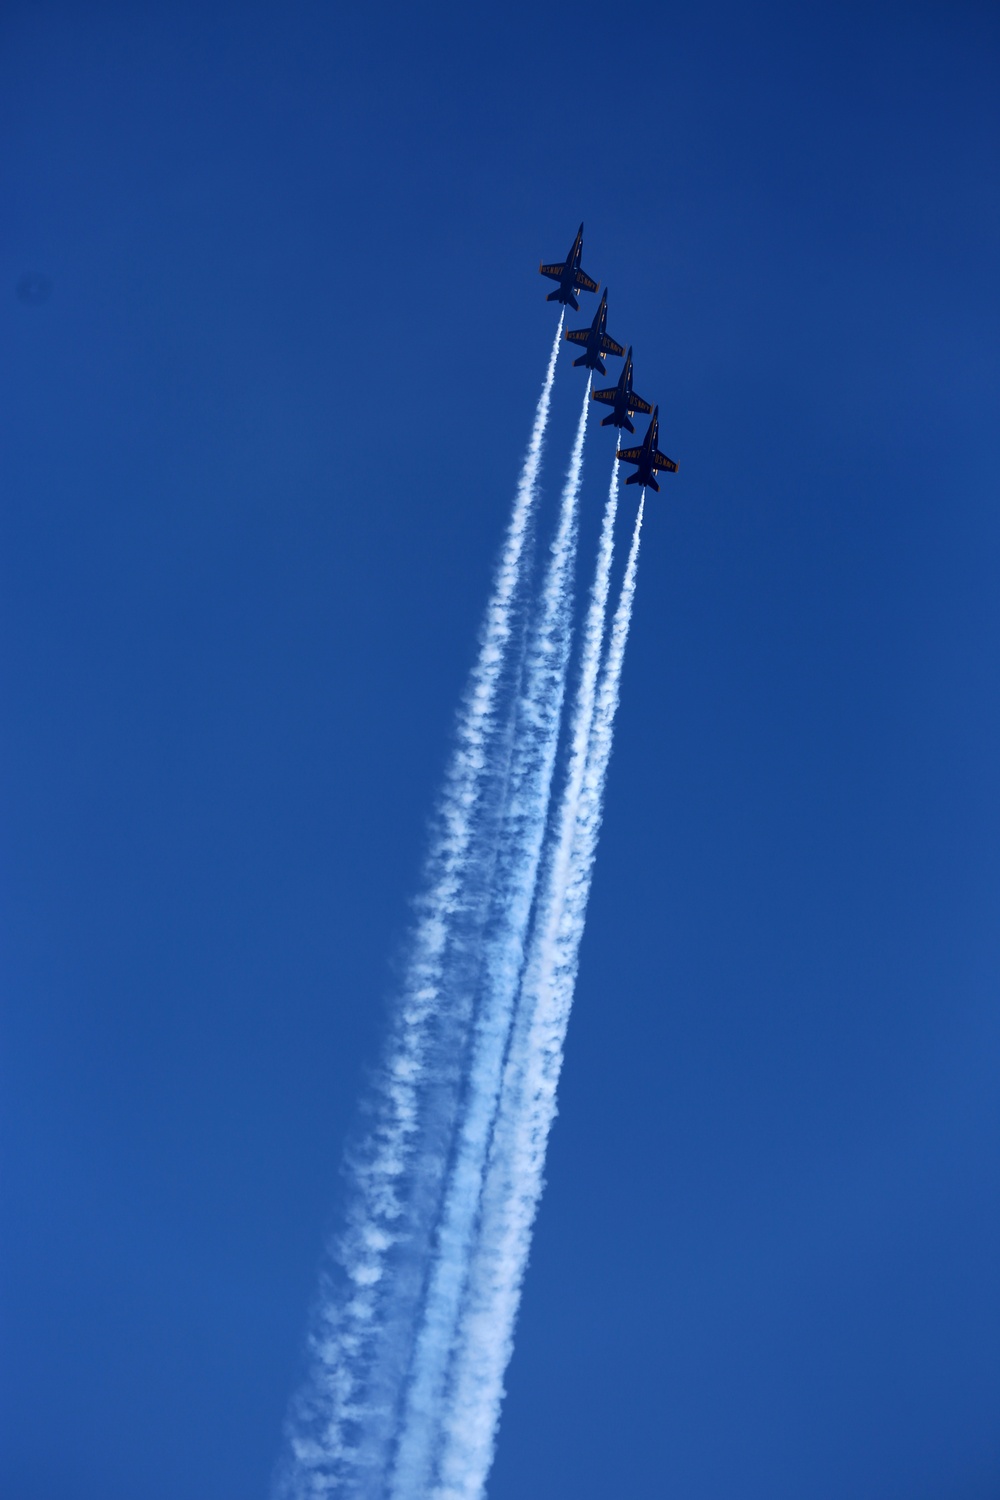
596 343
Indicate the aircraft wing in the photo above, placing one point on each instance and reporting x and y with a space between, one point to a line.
608 346
637 404
555 272
629 455
661 461
578 335
608 397
586 282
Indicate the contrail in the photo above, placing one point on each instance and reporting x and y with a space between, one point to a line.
340 1424
515 1181
514 879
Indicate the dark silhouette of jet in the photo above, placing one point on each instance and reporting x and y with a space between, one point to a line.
595 340
623 398
648 458
569 276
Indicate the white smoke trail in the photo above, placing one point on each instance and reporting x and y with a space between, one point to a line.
515 1175
339 1425
514 880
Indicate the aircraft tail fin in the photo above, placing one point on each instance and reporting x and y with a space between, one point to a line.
558 296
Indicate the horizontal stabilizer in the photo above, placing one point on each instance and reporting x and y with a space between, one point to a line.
560 296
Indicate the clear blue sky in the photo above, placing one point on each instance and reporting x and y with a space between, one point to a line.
256 453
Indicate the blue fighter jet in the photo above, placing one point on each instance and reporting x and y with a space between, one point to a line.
595 340
623 398
569 276
648 458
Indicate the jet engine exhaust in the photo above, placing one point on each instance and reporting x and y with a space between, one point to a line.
341 1425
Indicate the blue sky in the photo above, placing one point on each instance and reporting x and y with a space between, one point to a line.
257 453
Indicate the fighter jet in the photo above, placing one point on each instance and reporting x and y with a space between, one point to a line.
622 397
648 458
595 340
569 276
